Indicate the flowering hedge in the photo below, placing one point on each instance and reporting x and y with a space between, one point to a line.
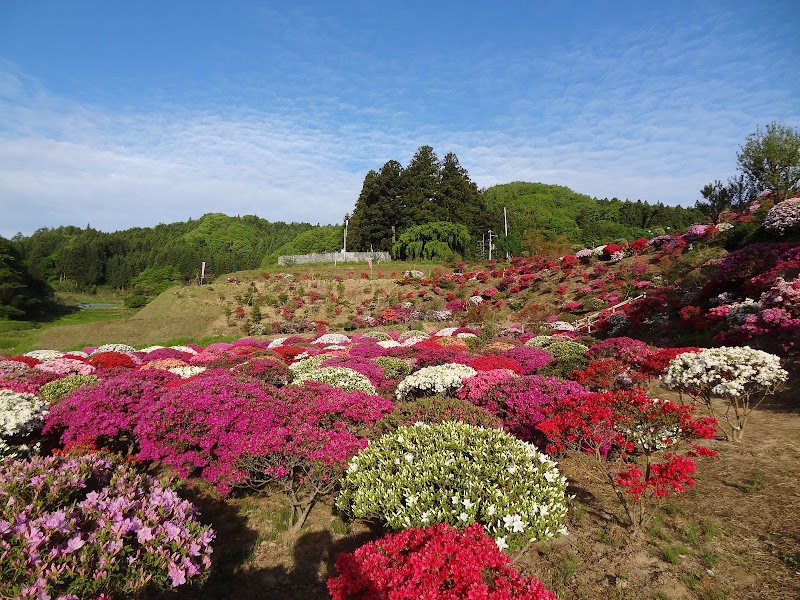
20 415
340 377
624 433
458 474
56 390
435 562
435 380
784 217
742 376
88 526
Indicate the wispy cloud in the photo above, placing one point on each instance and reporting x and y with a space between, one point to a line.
653 113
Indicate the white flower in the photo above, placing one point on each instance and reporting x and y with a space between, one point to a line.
501 543
514 523
467 503
463 517
409 457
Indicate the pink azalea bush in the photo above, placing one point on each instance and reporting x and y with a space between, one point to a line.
88 526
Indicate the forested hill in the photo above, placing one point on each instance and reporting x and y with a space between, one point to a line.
539 215
90 257
538 210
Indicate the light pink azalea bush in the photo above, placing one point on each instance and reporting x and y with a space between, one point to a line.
87 526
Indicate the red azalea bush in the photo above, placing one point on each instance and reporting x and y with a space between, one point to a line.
28 360
623 433
608 375
436 562
655 364
111 360
490 362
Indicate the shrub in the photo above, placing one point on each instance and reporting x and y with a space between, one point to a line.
435 380
105 414
522 403
622 434
20 415
56 390
435 410
784 217
436 562
458 474
297 438
529 358
742 376
339 377
393 368
86 526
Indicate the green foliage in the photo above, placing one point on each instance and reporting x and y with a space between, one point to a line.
20 292
553 210
56 390
154 280
92 258
327 238
460 474
771 158
432 241
393 368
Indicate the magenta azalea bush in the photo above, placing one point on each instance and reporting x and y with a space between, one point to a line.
86 526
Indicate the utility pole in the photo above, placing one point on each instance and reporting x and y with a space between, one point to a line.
346 221
491 235
505 224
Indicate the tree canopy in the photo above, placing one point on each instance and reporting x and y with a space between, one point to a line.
771 158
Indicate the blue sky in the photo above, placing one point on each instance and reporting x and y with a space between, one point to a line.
133 113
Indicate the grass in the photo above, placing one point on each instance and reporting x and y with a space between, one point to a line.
673 554
754 482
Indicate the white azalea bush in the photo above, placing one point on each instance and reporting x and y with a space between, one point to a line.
331 338
433 381
20 415
784 217
459 474
343 378
740 375
123 348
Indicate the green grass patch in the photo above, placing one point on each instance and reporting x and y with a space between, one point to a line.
673 553
754 482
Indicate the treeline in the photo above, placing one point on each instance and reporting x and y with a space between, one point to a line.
396 198
93 258
538 211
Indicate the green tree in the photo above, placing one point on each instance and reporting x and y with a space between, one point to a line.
771 158
420 187
20 292
439 240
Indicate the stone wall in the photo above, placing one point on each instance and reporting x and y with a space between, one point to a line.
334 257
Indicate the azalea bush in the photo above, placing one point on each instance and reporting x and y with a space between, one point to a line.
439 562
21 415
340 377
458 474
522 403
435 380
741 376
640 447
784 217
435 410
56 390
87 526
297 439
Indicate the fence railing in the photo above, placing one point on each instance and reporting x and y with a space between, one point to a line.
333 257
585 323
